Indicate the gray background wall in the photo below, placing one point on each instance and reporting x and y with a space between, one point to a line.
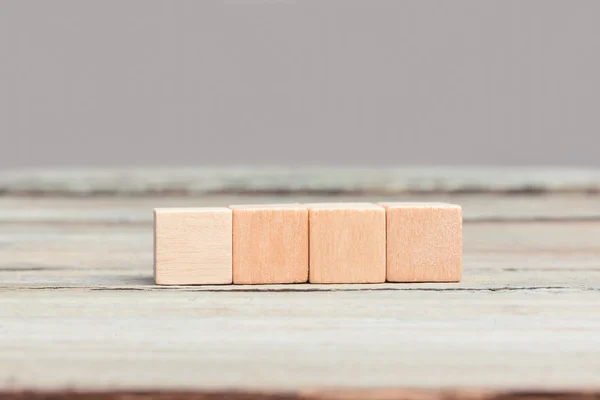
153 82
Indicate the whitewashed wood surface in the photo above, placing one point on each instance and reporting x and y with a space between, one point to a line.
78 308
196 180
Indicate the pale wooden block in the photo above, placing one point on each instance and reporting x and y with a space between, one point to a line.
270 243
424 242
192 246
347 243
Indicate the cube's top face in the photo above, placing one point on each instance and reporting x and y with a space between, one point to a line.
264 207
418 205
343 206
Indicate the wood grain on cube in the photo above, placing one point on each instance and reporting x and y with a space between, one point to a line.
270 243
424 242
192 246
347 243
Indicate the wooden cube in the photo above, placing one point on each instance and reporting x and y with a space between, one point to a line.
347 243
424 242
270 243
192 246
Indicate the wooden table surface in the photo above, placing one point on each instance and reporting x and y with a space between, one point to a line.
79 310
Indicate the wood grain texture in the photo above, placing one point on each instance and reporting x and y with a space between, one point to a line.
192 246
169 338
347 243
424 242
79 309
136 210
298 180
331 394
270 243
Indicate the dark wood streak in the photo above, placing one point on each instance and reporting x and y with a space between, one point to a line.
383 394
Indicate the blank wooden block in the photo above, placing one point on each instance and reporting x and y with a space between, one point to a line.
270 243
347 243
424 242
192 246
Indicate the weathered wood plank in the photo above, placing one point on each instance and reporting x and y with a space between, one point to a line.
200 340
78 308
331 394
139 209
139 279
328 180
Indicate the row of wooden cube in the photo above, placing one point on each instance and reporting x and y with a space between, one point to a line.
316 243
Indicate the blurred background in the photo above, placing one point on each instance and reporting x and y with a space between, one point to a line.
306 82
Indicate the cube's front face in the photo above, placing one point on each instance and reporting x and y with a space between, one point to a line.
424 244
347 245
193 247
270 245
